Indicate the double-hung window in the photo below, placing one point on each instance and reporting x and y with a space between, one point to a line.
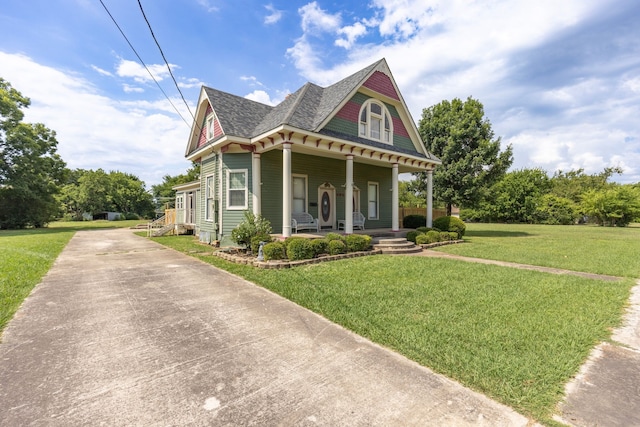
299 194
210 194
373 197
237 191
375 121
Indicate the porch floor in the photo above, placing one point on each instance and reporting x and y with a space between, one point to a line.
373 232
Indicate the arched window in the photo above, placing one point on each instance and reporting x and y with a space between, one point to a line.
375 121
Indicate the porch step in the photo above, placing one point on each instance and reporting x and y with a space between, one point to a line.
162 231
396 246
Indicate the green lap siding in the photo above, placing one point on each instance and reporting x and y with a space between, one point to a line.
318 171
209 167
231 218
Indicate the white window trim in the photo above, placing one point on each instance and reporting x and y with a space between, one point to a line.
377 200
246 190
210 126
209 216
367 125
306 190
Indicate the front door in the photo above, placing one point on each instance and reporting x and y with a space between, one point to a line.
327 206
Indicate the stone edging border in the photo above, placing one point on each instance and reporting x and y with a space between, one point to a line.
288 264
436 244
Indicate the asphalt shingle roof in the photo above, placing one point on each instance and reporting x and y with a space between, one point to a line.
306 108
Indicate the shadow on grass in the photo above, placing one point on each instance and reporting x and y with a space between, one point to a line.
496 233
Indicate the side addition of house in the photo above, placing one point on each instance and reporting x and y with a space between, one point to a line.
322 153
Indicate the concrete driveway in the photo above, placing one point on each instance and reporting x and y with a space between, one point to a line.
123 331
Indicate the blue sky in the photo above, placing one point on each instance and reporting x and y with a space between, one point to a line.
559 79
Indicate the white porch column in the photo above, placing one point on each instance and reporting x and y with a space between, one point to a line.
256 188
286 189
395 222
429 198
348 197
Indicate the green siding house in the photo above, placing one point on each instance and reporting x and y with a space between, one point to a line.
316 150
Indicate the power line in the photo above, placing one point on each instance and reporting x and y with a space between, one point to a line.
145 65
165 60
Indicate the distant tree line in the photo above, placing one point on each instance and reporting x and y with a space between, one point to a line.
36 187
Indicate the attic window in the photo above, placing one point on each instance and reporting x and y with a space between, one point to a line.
375 121
210 127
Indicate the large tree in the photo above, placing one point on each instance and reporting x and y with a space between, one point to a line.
31 171
459 134
163 192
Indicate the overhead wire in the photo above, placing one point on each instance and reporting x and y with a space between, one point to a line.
165 59
145 66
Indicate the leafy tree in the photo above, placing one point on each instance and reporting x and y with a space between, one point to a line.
30 168
459 134
410 195
555 210
129 195
163 192
517 196
571 185
616 205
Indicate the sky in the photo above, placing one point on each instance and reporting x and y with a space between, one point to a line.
559 79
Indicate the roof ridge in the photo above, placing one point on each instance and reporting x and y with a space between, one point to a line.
292 109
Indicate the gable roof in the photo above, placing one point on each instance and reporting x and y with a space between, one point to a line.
309 108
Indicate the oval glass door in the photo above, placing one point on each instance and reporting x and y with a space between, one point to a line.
325 208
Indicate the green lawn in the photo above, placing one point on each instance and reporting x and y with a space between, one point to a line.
515 335
27 255
602 250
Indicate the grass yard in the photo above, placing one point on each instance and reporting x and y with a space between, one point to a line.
515 335
27 255
592 249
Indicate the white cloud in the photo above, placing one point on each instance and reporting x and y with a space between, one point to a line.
131 89
274 15
101 71
95 131
207 4
316 20
252 80
190 83
265 98
351 33
141 74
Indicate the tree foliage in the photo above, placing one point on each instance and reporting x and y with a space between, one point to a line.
30 168
164 192
458 133
617 205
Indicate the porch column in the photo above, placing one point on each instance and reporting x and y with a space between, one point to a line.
429 198
395 223
286 189
256 188
348 197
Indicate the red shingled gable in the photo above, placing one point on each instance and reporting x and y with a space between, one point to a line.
381 83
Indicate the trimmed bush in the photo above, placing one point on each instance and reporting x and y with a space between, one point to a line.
251 226
255 241
320 246
298 249
274 250
422 239
445 236
334 236
414 221
424 229
412 235
337 247
450 223
357 242
433 236
453 235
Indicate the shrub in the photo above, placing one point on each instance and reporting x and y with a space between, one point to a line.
424 229
357 242
274 250
320 246
255 241
414 221
337 247
445 236
433 236
412 235
422 239
299 249
251 226
453 235
450 223
334 236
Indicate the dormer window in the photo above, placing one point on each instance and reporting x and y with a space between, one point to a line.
375 121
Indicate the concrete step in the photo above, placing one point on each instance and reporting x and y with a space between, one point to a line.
396 246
